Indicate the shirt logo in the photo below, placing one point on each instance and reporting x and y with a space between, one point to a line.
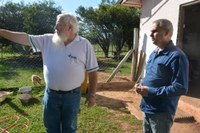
72 57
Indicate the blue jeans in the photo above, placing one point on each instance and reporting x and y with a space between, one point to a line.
157 123
60 111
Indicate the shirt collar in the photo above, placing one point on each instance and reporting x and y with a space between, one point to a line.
77 38
167 48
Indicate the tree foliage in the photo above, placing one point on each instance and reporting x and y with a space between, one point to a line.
40 17
35 18
109 24
11 16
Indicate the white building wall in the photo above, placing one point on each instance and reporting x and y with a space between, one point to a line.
157 9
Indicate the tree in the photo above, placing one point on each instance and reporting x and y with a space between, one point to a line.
40 17
124 20
36 18
11 18
108 24
95 26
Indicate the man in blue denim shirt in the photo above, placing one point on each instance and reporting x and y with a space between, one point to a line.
166 79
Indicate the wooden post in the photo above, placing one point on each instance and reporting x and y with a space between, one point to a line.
135 54
119 66
140 65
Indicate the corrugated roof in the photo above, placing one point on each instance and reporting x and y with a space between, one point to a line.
131 3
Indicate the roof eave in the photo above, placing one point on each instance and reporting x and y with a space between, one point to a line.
131 3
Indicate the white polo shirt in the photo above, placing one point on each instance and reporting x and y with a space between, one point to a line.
64 66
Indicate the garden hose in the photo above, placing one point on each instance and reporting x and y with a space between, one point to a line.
16 118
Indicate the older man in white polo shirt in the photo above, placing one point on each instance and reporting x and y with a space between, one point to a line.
66 57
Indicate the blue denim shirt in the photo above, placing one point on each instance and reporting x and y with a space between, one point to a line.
167 79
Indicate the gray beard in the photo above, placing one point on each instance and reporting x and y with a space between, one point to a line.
59 39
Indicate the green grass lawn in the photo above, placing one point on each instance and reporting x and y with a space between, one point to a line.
15 72
97 119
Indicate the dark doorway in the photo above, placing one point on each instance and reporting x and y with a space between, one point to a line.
189 41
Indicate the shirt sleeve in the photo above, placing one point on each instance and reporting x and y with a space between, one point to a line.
91 60
37 42
179 84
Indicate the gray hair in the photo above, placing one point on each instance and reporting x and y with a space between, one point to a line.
69 20
165 24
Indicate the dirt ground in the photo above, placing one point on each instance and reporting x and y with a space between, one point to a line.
113 99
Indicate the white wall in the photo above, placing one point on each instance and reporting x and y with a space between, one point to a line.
157 9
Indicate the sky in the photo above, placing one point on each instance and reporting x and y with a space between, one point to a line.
68 6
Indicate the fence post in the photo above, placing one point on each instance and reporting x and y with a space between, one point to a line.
119 66
135 53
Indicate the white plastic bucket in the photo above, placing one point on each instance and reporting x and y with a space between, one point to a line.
25 94
25 90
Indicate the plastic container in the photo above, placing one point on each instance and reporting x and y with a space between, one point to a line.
84 85
24 98
25 94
